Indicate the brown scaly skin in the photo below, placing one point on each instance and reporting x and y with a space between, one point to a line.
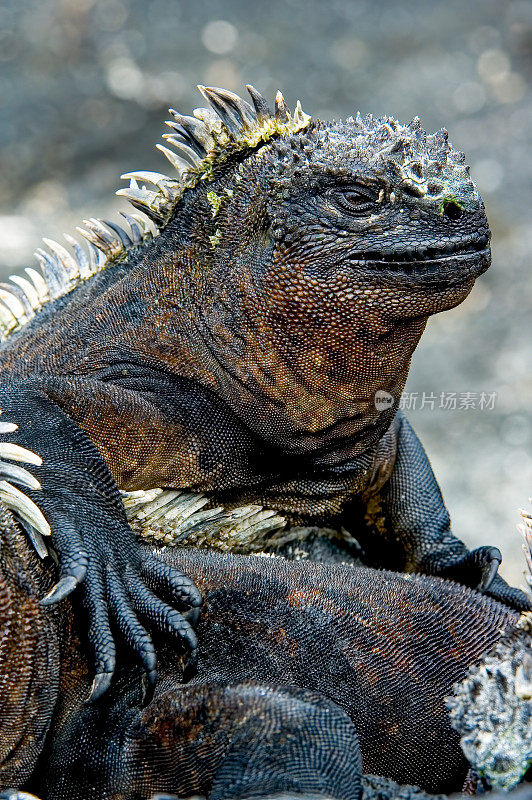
241 356
31 644
300 664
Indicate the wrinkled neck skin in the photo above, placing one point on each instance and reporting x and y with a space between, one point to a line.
311 370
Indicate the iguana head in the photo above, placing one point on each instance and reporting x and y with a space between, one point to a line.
324 248
390 206
369 200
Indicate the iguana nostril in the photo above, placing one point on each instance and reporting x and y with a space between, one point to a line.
452 210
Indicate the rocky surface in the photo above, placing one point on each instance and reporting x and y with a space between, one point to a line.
84 88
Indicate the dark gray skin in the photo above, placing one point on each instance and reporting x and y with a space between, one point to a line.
308 674
239 354
297 687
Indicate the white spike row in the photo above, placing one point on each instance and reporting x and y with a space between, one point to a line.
8 322
28 289
136 234
139 195
148 226
179 164
180 518
21 505
195 127
93 240
15 474
15 452
54 273
179 144
68 261
40 284
210 119
110 241
164 182
233 105
81 257
13 289
157 178
29 514
14 305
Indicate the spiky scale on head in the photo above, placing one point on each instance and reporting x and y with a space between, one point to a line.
425 164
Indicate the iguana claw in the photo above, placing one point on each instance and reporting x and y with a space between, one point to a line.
477 568
100 684
490 562
62 589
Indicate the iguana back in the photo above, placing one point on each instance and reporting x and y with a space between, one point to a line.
386 648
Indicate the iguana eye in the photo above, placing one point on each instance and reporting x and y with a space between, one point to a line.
353 199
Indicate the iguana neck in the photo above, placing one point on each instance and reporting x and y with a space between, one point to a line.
291 352
302 383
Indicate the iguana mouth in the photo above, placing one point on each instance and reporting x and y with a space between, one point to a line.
439 265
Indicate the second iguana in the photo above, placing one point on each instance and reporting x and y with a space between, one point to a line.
308 674
255 349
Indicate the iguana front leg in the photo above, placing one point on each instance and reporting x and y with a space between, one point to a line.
409 512
96 548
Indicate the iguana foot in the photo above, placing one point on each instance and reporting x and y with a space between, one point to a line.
478 570
114 592
509 595
70 496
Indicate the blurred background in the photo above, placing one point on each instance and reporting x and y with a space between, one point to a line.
84 88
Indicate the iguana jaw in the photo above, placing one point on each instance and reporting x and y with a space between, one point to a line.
445 270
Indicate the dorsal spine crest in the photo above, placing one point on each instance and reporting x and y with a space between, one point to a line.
203 141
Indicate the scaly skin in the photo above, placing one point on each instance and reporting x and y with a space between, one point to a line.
300 664
32 641
239 353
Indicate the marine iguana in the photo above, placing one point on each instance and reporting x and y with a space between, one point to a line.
303 668
240 353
